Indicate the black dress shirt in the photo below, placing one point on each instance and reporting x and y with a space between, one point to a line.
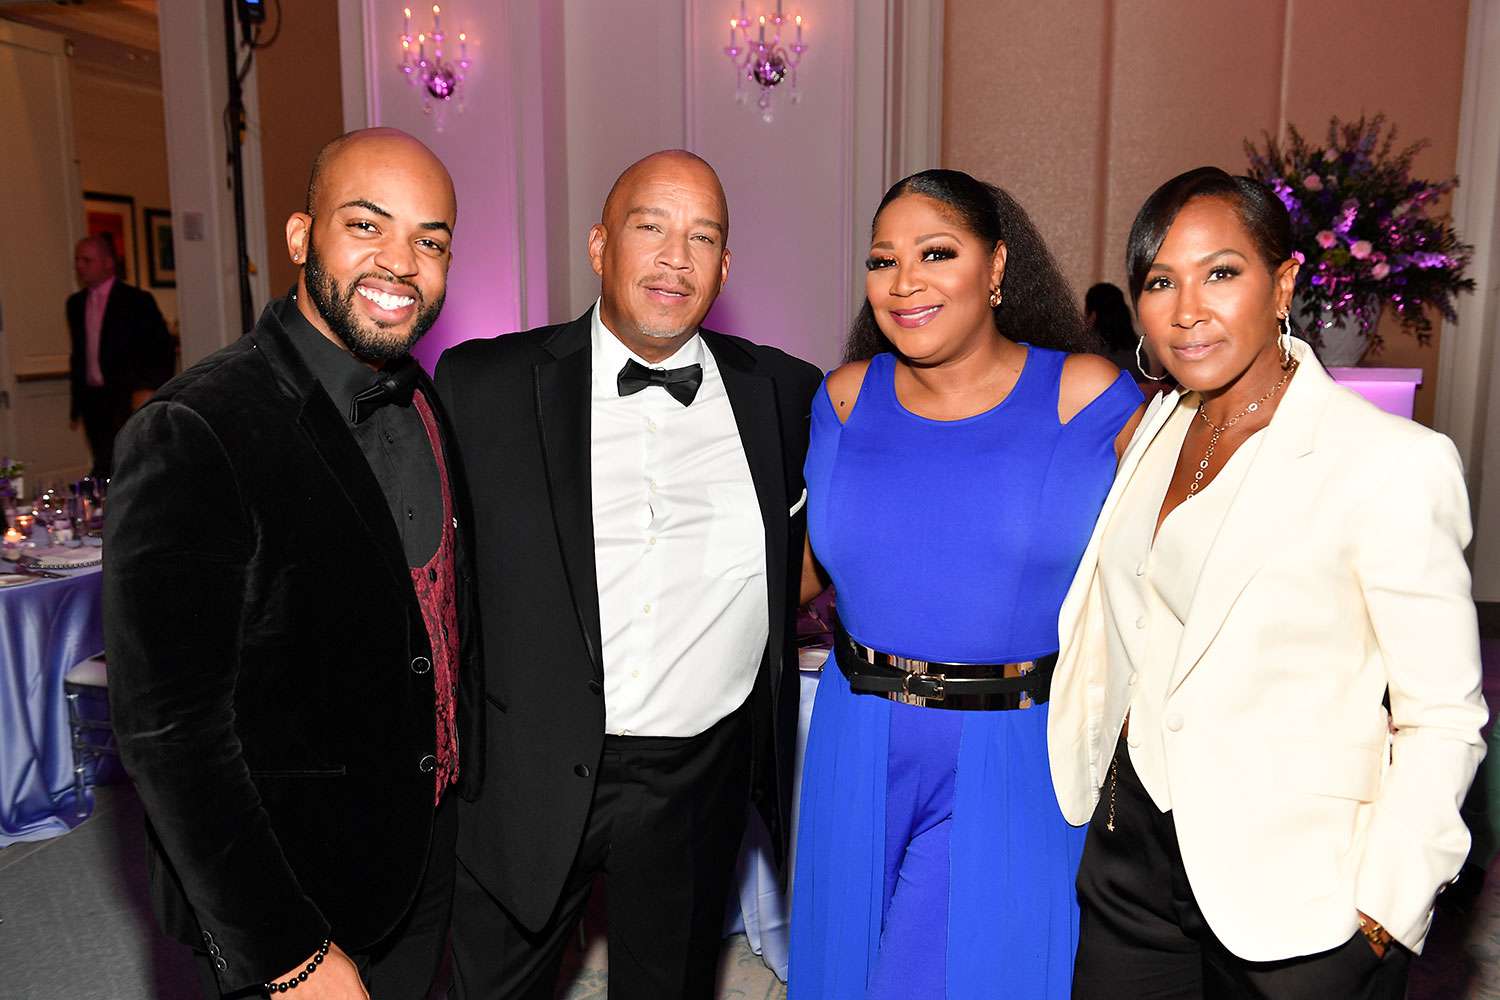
393 438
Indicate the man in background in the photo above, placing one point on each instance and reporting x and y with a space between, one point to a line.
121 349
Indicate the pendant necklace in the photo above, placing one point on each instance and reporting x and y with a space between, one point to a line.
1213 440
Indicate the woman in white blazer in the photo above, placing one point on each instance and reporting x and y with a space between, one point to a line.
1277 562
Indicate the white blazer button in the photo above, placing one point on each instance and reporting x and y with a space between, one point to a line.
1140 622
1140 569
1174 722
1133 678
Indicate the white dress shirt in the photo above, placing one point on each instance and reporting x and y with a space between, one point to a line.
1148 587
679 549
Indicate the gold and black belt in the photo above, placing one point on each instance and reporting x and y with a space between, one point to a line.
930 684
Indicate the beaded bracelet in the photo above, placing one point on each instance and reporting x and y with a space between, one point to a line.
301 977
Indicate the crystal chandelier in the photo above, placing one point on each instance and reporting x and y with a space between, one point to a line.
439 80
765 61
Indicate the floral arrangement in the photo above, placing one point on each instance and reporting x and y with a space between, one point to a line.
1361 229
9 472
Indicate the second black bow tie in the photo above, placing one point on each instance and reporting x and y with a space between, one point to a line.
682 383
392 385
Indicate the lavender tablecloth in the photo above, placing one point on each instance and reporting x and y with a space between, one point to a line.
45 628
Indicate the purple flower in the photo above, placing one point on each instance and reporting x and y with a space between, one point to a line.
1313 182
1360 249
1326 239
1380 271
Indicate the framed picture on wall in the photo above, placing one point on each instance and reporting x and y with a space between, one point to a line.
161 260
113 216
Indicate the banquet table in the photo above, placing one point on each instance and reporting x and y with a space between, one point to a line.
764 913
46 627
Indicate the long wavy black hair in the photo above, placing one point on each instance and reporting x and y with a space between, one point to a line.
1037 304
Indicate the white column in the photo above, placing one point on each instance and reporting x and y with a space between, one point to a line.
195 91
1468 402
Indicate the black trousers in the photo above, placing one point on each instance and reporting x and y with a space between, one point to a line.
664 829
104 411
403 966
1143 936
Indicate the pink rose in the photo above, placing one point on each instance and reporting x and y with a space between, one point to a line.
1299 256
1360 249
1326 239
1313 182
1329 155
1380 271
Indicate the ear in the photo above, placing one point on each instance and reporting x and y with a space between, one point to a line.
997 266
598 236
1285 281
724 269
298 234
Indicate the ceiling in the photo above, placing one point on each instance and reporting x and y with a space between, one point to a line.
127 22
115 38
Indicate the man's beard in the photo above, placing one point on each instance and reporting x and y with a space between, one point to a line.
336 306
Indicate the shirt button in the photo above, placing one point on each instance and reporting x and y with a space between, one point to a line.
389 439
1140 622
651 540
421 665
431 575
595 687
635 674
652 484
651 426
427 764
410 514
582 770
1174 722
646 608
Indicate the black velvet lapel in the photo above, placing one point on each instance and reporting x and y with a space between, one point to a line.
330 435
752 396
562 413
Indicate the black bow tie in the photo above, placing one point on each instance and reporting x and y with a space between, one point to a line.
394 385
682 383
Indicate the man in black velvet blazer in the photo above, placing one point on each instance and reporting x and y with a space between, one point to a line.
121 349
639 531
287 599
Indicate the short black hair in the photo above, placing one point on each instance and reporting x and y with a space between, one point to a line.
1037 304
1111 315
1259 209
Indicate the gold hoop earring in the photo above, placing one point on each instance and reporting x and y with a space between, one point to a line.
994 298
1140 364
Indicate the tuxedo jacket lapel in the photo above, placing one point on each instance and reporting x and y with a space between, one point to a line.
325 427
752 397
562 413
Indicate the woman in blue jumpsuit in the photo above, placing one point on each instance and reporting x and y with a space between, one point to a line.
957 464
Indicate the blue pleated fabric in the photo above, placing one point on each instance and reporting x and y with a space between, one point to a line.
951 541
